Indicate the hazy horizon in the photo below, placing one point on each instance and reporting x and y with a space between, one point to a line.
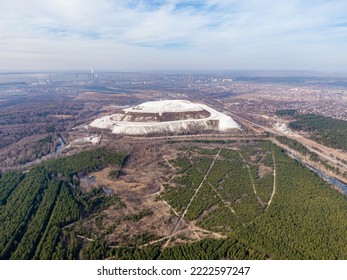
234 72
195 35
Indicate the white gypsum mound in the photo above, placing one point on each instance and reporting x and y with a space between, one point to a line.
143 118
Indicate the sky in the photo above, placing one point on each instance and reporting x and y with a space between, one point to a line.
173 35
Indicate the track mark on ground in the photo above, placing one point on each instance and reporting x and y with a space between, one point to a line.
250 175
194 195
274 184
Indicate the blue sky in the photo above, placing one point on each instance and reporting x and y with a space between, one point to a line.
173 34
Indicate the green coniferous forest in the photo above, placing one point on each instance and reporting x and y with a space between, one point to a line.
325 130
287 212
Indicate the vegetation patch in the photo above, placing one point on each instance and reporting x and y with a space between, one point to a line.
325 130
286 112
220 194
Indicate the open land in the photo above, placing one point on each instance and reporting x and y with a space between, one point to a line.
168 195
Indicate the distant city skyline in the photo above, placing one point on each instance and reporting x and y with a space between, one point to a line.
173 35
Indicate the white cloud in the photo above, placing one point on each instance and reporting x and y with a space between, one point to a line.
70 34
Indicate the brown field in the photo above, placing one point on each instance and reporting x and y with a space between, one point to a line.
264 170
139 187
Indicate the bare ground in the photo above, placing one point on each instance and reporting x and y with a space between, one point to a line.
139 188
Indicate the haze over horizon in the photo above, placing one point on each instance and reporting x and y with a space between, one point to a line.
173 34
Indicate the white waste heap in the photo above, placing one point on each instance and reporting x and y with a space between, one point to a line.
120 123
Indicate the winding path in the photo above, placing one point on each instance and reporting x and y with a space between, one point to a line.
250 175
274 185
221 198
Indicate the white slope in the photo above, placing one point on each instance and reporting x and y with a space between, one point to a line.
120 124
93 139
